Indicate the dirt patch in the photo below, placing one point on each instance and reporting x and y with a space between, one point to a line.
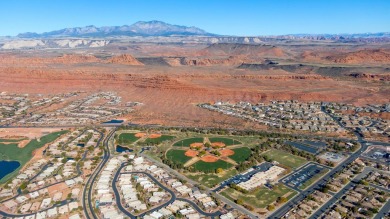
30 133
209 159
191 153
23 143
56 188
226 152
218 144
154 135
196 145
140 135
19 138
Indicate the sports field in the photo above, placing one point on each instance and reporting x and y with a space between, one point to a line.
211 179
23 155
285 158
177 156
127 138
205 166
226 141
240 154
155 141
261 197
188 141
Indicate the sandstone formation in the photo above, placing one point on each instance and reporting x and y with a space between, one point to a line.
124 59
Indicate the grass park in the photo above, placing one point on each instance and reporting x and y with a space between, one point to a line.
188 141
210 167
260 197
177 156
12 152
240 154
127 138
159 140
226 141
285 158
210 179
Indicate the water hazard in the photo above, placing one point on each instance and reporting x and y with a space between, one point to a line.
7 167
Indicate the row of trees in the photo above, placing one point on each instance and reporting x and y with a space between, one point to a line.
218 131
172 164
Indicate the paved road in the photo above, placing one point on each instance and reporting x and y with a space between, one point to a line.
339 194
62 203
220 197
327 177
385 210
118 196
87 191
19 192
310 171
173 196
351 184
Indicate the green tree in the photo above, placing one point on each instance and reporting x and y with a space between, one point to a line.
239 201
271 207
219 170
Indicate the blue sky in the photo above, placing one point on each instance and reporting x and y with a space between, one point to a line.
231 17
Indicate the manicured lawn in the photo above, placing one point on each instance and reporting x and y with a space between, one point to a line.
23 155
177 156
156 141
261 197
285 158
187 142
241 154
205 166
226 141
210 179
127 138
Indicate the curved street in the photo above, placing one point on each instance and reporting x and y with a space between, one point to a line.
172 194
317 185
87 192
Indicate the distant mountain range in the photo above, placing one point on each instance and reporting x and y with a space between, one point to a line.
346 36
141 28
159 28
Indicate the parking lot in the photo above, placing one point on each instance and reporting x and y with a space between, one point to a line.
298 178
332 157
378 152
313 147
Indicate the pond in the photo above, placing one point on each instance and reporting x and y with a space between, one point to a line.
121 149
7 167
113 121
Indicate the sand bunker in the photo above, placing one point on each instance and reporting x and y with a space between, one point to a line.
218 144
209 159
154 135
226 152
140 134
23 143
191 153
